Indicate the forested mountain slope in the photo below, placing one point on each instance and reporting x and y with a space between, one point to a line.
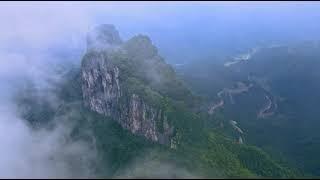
139 117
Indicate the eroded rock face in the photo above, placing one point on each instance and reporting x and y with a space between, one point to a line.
102 91
100 85
140 118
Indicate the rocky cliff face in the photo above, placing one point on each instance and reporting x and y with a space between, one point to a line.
105 73
100 84
141 118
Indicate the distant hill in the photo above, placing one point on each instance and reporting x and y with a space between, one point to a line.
279 112
141 118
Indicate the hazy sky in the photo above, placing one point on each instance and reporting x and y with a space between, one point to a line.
33 35
195 28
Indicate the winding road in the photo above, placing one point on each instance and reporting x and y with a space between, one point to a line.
230 92
265 111
268 109
242 57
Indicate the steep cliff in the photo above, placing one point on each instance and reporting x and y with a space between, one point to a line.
123 80
132 95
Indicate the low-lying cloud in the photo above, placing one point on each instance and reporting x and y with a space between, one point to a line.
36 36
43 153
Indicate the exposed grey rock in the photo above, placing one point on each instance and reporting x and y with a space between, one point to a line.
100 84
140 118
102 90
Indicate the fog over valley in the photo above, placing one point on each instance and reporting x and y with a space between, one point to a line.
159 89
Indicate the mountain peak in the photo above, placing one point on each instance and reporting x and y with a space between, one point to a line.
140 47
122 84
103 37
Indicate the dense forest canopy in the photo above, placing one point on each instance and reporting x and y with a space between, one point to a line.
160 90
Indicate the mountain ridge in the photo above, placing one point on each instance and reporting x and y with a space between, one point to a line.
108 123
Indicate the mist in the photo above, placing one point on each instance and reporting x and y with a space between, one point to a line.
37 36
26 153
146 167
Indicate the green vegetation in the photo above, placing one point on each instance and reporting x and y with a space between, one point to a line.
199 148
201 151
291 72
